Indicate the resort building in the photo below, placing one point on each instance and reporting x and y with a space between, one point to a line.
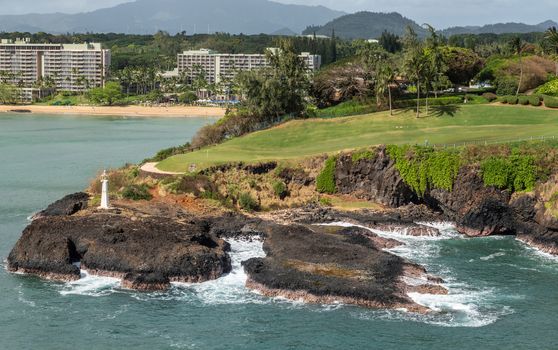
68 67
217 67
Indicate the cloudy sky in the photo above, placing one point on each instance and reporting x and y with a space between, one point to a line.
440 13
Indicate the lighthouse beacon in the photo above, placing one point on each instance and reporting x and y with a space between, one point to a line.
105 191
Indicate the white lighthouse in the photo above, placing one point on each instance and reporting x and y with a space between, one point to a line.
105 191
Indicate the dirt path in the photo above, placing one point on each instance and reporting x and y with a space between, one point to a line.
152 168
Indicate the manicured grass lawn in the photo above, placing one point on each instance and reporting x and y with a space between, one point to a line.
446 125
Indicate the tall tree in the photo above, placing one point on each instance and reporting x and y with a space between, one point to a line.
415 61
270 93
437 65
385 77
390 42
551 37
517 46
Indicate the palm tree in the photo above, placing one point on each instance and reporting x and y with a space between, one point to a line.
517 46
416 61
385 78
551 37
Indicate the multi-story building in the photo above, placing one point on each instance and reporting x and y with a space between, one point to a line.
217 67
69 67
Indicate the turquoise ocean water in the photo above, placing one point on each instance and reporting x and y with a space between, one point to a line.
503 295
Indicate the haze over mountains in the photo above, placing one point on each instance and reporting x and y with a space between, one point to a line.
236 16
501 28
366 25
192 16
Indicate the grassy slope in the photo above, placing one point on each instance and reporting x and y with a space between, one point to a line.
451 124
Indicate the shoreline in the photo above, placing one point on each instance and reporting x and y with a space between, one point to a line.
128 111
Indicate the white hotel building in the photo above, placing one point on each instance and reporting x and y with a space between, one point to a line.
72 67
218 66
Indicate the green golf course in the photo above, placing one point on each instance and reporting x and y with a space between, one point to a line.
449 125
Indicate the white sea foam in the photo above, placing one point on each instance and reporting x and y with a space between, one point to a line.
463 306
492 256
538 252
441 225
230 289
22 299
402 234
91 285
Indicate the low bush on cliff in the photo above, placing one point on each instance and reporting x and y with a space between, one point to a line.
424 168
280 189
194 184
325 182
136 192
247 202
363 154
516 173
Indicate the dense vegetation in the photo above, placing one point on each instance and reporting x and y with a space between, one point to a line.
424 168
325 182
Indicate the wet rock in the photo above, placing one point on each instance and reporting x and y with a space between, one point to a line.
374 179
319 264
151 282
109 244
490 217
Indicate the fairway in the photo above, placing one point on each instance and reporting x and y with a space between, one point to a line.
445 125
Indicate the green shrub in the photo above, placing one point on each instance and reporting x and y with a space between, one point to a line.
188 97
489 96
280 189
523 100
362 155
535 101
496 172
136 192
325 182
424 168
550 88
525 173
551 102
516 173
210 195
503 99
506 85
168 152
512 100
247 202
326 202
194 184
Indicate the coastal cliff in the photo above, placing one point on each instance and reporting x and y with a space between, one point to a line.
177 232
477 209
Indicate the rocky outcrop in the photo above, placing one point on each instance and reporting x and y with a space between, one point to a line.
477 210
326 264
147 252
68 205
375 179
150 282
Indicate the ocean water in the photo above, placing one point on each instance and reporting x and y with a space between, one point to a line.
503 295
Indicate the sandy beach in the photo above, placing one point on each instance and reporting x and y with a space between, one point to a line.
130 111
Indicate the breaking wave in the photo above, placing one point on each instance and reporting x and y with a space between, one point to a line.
463 306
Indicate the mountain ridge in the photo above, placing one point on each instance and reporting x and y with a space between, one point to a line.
501 28
150 16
